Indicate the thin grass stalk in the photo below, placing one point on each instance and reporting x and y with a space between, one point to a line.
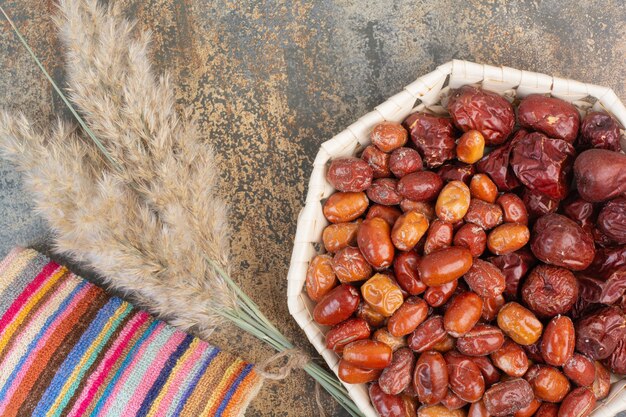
81 122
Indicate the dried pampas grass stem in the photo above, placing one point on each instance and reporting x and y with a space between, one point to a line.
148 218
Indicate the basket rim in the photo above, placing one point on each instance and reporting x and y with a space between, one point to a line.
427 89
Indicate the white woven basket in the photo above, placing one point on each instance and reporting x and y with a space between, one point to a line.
425 92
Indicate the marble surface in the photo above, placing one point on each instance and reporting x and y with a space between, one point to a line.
271 80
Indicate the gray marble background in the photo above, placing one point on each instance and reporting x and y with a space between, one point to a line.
271 80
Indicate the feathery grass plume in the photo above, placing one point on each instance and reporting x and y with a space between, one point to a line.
149 223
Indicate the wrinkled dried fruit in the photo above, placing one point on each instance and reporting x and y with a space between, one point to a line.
597 334
482 188
482 340
337 305
345 207
472 237
514 266
456 171
543 164
496 164
617 361
602 383
547 410
427 334
407 275
408 230
438 410
378 160
528 411
388 136
485 279
477 109
430 379
453 202
470 147
434 137
439 236
560 241
548 383
579 210
508 397
374 240
463 313
440 294
383 294
484 214
404 161
507 238
550 290
580 370
350 265
513 209
340 235
578 403
406 318
552 116
612 220
397 376
600 175
538 204
558 341
349 174
519 323
384 191
320 277
420 186
600 130
346 332
445 265
478 409
452 401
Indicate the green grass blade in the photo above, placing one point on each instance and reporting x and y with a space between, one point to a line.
81 122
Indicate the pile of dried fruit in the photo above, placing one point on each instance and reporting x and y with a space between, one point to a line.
465 282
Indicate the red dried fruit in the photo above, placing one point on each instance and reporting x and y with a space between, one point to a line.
507 397
433 136
550 290
612 220
484 214
514 266
600 175
598 333
558 341
430 379
456 171
472 237
578 403
397 376
543 164
485 279
538 204
600 130
420 186
560 241
388 136
439 236
346 332
496 164
404 161
477 109
513 209
579 210
556 118
349 174
377 160
384 191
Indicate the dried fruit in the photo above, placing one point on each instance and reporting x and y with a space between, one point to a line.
464 377
430 379
548 383
388 136
558 341
337 305
511 359
485 279
507 238
580 370
384 191
408 230
340 235
514 266
477 109
578 403
355 375
483 188
453 202
445 265
420 186
550 290
600 130
320 277
397 376
404 161
555 235
374 240
377 160
427 334
482 340
456 171
600 175
597 334
440 294
472 237
543 164
383 294
386 405
368 354
552 116
508 397
463 313
470 147
439 236
519 323
406 318
612 220
346 332
349 174
513 209
345 207
434 137
484 214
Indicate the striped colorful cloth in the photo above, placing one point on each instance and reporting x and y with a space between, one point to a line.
69 349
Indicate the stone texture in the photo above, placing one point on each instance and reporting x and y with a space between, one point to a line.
271 80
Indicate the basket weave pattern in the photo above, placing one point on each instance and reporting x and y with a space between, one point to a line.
425 92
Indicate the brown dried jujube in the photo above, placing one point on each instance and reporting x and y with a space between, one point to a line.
550 290
612 220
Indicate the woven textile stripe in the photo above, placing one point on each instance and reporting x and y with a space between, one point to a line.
67 349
